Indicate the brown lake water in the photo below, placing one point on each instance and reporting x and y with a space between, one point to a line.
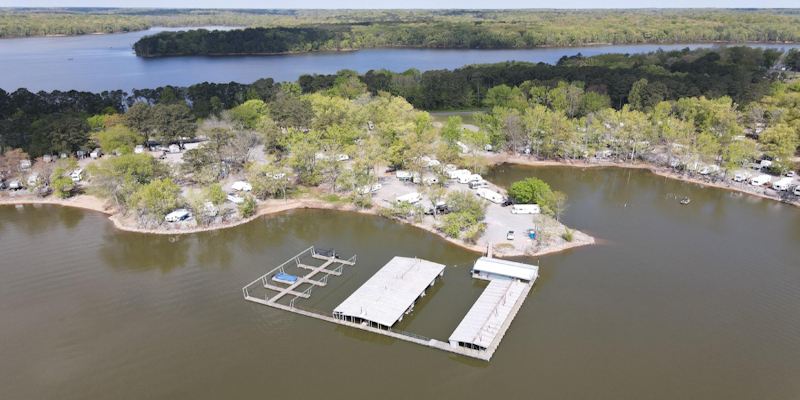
693 302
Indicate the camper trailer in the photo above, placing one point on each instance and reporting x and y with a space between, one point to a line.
177 215
760 180
478 184
487 194
97 153
33 179
455 174
782 184
469 178
410 198
525 209
403 175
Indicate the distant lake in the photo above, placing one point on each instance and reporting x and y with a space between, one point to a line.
107 62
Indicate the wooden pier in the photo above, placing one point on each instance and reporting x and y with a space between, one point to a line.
485 355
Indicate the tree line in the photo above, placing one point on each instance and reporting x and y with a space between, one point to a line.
436 28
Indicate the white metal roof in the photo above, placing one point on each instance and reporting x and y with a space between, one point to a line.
388 294
484 320
510 269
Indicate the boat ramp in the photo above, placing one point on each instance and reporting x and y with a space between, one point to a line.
391 293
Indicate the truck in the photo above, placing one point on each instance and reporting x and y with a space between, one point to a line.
525 209
492 196
760 180
411 198
469 178
782 184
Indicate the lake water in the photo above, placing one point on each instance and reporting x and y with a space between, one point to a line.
107 62
692 302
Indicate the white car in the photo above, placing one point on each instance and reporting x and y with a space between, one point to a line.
510 235
342 157
790 174
242 186
235 198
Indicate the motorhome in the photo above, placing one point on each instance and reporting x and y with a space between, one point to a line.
487 194
469 178
525 209
177 215
760 180
410 198
782 184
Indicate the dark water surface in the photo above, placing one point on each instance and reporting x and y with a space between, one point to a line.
692 302
107 62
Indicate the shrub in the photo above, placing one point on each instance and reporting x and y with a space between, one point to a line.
532 191
568 235
248 207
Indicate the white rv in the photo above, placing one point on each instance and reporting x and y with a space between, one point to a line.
760 180
410 198
782 184
455 174
487 194
177 215
403 175
525 209
469 178
242 186
33 179
478 184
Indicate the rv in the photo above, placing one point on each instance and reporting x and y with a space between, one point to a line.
455 174
33 178
462 147
403 175
469 178
760 180
525 209
487 194
741 176
241 186
430 180
97 153
76 175
177 215
139 149
411 198
782 184
14 185
478 184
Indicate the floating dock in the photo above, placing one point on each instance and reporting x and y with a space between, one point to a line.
386 297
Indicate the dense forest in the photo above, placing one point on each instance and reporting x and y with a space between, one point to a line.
46 122
435 28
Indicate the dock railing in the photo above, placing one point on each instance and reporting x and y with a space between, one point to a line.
280 268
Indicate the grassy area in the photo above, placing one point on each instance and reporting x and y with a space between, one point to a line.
467 116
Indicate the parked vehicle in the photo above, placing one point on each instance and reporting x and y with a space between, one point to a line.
404 175
391 169
469 178
487 194
139 149
342 157
430 180
174 148
440 208
33 179
241 186
797 190
235 198
760 180
97 153
177 215
506 203
450 167
525 209
790 174
741 176
411 198
370 125
76 175
782 184
210 209
368 189
510 235
462 147
478 184
457 173
15 185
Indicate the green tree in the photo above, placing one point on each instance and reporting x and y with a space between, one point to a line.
215 194
61 184
533 191
156 199
248 207
118 138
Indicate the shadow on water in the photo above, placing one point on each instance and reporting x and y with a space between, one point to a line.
430 293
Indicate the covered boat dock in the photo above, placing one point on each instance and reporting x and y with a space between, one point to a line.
485 323
389 294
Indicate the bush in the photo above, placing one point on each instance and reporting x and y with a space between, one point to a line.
568 235
248 207
532 191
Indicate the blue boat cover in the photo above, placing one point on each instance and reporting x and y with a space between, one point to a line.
285 277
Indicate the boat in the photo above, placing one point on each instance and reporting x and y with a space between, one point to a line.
284 278
685 201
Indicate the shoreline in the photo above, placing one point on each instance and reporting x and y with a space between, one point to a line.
91 203
663 172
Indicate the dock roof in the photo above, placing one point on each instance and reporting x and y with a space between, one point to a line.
486 317
391 291
507 268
